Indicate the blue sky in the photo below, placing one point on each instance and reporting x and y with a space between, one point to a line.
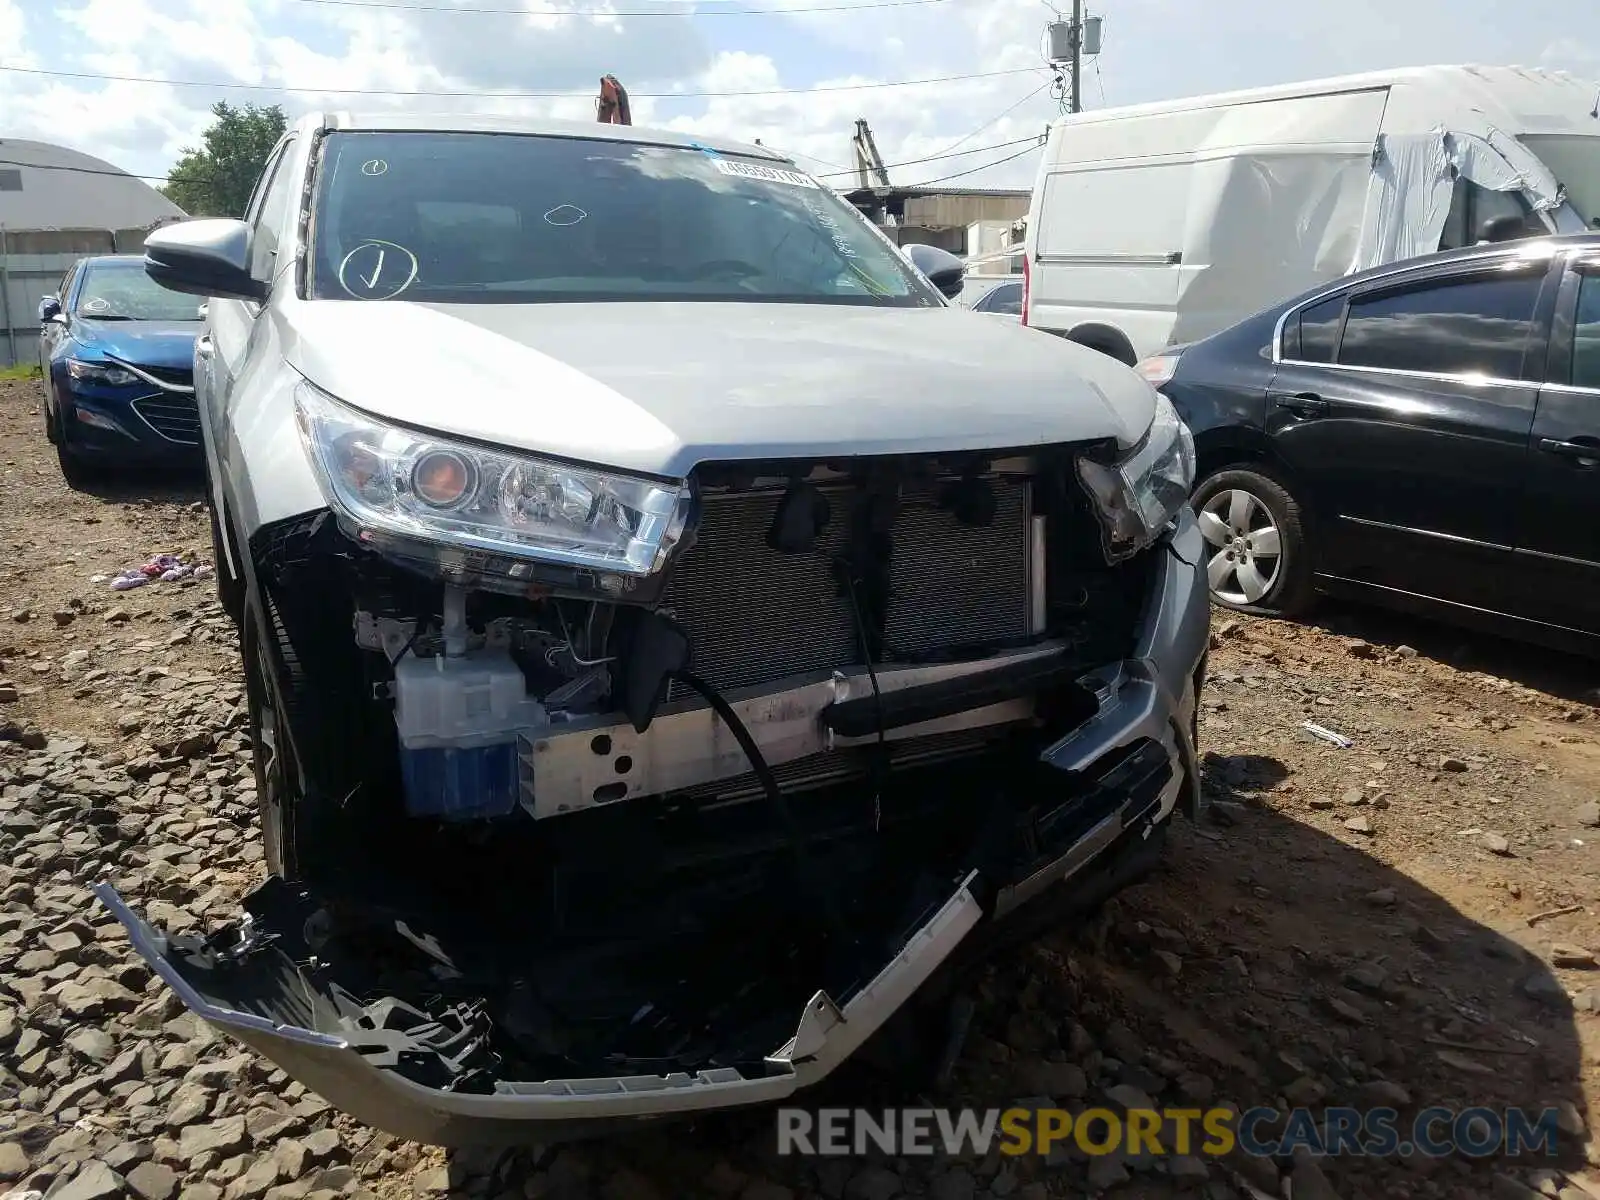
1153 49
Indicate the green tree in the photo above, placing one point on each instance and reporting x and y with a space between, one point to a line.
216 178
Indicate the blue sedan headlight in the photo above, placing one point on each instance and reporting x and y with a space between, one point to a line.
94 372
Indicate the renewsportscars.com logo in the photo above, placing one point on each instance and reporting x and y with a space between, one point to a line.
1259 1132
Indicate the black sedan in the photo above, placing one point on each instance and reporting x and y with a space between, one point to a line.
1426 434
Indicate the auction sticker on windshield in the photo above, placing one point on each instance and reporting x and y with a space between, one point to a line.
770 174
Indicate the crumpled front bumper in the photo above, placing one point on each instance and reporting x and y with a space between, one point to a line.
1145 709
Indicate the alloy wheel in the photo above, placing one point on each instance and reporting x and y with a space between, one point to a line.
1246 546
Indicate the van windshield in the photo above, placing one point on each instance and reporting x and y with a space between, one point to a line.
1574 159
513 218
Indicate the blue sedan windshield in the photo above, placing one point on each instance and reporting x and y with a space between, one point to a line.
119 290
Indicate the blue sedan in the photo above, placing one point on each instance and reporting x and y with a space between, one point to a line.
117 351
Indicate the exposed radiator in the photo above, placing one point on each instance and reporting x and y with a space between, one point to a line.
755 615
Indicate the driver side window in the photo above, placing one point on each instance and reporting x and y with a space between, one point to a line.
267 220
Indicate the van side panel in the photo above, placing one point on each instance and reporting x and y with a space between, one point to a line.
1107 246
1170 226
1265 225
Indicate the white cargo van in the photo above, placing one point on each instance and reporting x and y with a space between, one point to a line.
1160 224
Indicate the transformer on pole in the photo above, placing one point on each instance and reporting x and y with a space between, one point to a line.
1070 42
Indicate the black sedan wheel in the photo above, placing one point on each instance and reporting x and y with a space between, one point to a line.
1257 557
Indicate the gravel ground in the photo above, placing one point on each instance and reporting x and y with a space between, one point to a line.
1410 921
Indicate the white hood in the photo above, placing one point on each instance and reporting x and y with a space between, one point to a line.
656 388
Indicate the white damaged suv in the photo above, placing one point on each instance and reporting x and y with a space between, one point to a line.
674 634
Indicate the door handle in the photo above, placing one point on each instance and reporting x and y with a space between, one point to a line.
1583 451
202 345
1301 404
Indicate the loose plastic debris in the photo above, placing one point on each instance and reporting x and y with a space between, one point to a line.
1327 735
169 568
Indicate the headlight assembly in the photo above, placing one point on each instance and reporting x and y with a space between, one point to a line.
106 373
1137 496
394 482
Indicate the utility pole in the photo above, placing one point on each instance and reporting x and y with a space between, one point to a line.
1070 42
1077 56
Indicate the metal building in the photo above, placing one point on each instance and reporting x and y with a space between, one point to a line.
56 205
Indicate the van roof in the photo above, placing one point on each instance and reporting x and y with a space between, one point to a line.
1527 99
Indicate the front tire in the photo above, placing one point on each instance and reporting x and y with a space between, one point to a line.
1258 557
271 751
74 470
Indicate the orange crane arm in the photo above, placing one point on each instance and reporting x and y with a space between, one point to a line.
611 108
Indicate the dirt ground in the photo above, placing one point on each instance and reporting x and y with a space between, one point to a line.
1410 921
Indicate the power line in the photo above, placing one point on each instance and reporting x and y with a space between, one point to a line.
994 120
600 12
950 150
12 162
1037 142
480 95
842 169
911 162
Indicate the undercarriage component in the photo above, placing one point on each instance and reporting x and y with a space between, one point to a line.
600 760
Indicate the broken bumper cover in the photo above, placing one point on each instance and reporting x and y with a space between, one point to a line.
1142 724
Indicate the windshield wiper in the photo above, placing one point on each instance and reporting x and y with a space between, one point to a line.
105 317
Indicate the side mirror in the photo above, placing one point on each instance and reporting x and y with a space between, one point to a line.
204 258
1503 229
943 269
49 309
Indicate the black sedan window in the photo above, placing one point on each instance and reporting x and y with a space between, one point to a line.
1007 298
1466 326
1319 330
1586 336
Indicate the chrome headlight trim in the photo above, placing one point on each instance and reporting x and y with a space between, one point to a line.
514 504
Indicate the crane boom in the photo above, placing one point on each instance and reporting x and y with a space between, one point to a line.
611 107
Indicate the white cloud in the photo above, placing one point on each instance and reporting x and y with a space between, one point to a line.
1153 49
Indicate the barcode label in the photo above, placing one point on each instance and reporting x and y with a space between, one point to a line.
749 170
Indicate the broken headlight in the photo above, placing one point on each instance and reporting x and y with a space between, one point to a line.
1137 496
396 481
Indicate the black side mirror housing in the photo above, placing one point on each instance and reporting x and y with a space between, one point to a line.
49 309
204 258
1503 229
943 269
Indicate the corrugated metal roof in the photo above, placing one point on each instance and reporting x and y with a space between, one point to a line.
51 187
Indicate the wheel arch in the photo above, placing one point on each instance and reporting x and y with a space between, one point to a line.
1236 445
1107 339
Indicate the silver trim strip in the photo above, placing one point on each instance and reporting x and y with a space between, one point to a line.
1427 533
1036 575
1457 539
1442 376
1570 389
1171 258
151 379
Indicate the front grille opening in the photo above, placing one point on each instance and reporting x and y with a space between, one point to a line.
755 614
175 417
